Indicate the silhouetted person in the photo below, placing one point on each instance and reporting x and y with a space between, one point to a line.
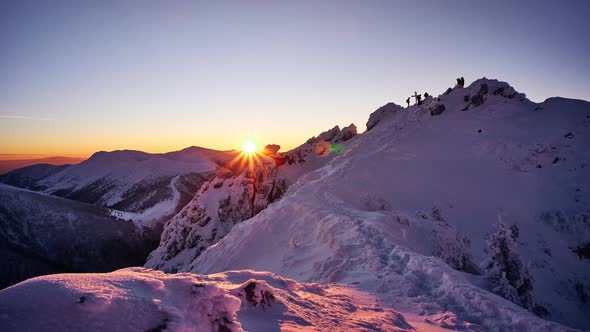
419 99
426 95
408 101
461 82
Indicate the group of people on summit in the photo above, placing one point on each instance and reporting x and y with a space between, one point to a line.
418 97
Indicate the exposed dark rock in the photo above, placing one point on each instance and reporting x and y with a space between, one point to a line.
436 109
583 250
271 149
382 112
540 311
476 100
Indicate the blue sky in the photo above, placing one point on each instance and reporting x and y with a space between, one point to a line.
82 76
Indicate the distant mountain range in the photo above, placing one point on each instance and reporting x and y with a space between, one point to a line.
148 187
104 213
7 165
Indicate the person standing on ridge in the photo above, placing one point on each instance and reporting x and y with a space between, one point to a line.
461 82
408 101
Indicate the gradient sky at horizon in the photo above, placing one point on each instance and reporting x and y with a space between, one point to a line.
82 76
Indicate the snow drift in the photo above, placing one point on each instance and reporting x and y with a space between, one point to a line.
137 299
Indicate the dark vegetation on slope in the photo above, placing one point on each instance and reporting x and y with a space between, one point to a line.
42 234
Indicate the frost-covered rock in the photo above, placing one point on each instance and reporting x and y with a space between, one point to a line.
381 113
215 209
478 92
345 134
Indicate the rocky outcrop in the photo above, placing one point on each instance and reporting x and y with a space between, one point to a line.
218 206
271 149
381 113
478 92
436 108
345 134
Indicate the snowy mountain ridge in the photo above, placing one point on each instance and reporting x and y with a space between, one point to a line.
149 187
419 193
468 212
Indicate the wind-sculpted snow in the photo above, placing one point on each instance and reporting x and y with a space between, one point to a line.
405 210
136 299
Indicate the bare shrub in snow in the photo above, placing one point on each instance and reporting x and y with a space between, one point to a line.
509 277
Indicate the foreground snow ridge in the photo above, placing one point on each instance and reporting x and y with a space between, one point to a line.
138 299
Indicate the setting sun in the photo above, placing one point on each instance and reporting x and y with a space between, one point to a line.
249 147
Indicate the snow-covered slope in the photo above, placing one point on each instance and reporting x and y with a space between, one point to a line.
243 189
41 234
137 299
27 176
152 187
412 200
